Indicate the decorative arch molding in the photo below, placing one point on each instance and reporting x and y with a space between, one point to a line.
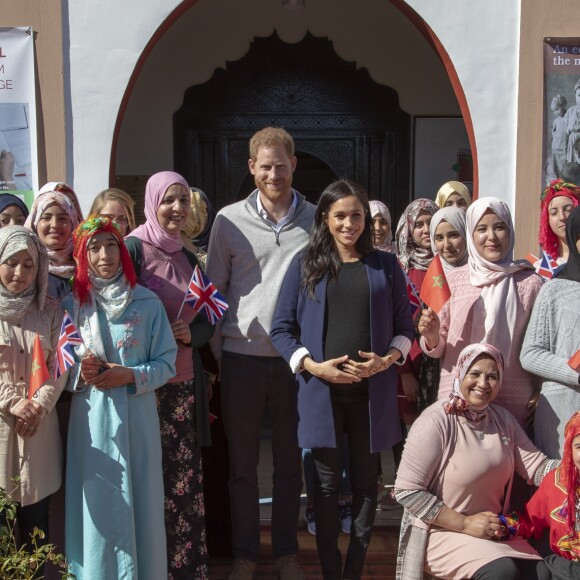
414 13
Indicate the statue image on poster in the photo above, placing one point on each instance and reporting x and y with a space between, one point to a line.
561 143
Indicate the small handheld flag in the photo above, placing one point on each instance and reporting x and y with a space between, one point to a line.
38 371
435 290
547 267
574 361
204 297
69 337
415 303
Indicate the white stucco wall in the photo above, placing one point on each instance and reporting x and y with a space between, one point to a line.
106 39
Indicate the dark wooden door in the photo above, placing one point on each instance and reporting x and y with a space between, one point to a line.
344 124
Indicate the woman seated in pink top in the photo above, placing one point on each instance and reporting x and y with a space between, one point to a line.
457 475
491 302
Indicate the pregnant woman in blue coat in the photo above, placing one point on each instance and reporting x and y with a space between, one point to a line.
341 322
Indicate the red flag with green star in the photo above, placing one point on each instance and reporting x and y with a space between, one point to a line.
435 289
38 371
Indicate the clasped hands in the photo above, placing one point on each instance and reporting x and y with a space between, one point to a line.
29 414
345 370
104 375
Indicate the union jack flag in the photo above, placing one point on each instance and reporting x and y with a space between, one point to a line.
414 300
204 297
547 267
69 337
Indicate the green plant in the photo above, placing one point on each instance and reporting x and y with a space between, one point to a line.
24 562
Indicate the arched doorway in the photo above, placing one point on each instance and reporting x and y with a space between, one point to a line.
336 114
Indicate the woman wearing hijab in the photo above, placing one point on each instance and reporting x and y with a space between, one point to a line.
415 255
555 507
54 215
208 212
448 237
163 266
30 445
13 211
552 338
492 301
558 201
382 230
456 476
114 487
453 193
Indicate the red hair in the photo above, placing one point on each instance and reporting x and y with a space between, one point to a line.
96 224
568 472
548 239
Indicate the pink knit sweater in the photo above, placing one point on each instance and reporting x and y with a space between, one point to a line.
458 331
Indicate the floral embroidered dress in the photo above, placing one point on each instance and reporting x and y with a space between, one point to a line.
114 486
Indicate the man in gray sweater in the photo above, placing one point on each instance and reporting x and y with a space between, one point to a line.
251 246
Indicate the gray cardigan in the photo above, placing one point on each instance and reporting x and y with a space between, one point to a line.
247 261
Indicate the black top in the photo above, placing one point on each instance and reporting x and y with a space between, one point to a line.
347 321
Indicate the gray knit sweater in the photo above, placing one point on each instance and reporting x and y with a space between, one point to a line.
553 334
247 261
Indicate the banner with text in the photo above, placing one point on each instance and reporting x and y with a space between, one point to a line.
18 145
561 139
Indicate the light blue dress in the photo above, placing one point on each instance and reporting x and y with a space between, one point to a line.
114 485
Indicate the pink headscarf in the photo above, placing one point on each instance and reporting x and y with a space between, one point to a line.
457 405
499 292
61 262
151 232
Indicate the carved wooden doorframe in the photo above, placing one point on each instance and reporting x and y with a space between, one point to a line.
335 113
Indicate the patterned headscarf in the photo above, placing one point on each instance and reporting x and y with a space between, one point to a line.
62 187
457 405
61 262
13 239
411 255
571 271
499 291
456 218
448 189
558 187
379 208
151 232
568 471
112 294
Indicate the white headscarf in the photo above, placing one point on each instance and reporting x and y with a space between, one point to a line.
456 218
499 291
379 208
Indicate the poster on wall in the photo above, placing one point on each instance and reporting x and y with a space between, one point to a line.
561 139
18 160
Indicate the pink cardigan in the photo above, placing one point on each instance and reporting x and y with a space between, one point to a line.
457 331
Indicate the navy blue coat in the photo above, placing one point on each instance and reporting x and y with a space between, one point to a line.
299 322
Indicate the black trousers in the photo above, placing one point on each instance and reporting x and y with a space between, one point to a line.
248 384
350 409
513 569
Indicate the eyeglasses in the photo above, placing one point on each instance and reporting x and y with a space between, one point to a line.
118 219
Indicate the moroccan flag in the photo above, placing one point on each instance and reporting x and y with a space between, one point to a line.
435 289
39 371
574 362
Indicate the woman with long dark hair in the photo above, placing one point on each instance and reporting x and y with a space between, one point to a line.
341 322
